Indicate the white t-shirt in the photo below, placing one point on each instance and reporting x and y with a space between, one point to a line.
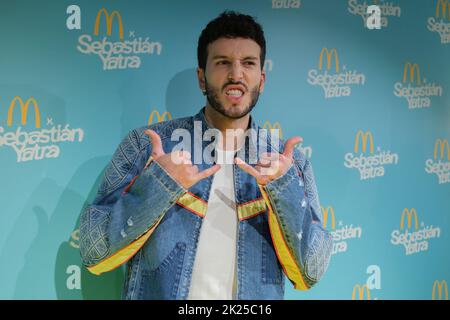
214 272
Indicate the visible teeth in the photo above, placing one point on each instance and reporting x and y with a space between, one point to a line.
234 93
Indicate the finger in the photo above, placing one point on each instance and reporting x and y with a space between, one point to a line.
186 158
208 172
185 154
263 163
180 157
247 168
157 149
289 146
187 162
269 156
269 171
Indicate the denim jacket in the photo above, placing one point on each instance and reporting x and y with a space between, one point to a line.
142 217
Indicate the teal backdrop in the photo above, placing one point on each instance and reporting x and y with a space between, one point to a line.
372 105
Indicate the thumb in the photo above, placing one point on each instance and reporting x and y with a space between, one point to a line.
157 149
246 167
208 172
290 145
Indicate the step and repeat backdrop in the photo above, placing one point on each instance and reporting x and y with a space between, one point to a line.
369 94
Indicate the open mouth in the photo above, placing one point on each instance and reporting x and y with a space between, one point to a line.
235 93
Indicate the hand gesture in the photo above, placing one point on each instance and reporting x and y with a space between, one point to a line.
271 165
178 164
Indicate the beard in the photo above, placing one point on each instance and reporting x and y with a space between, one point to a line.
212 95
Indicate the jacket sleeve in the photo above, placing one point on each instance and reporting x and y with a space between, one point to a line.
302 245
133 197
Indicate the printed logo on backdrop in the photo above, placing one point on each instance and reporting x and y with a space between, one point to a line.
342 234
366 291
113 45
73 271
155 115
413 236
306 150
369 161
335 80
440 290
272 128
286 4
416 90
440 163
35 143
440 23
361 292
387 10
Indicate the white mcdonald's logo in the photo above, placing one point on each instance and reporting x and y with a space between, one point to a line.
409 214
360 290
159 117
24 111
109 21
413 69
329 56
364 137
439 286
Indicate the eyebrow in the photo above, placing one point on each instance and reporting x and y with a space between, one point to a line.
225 57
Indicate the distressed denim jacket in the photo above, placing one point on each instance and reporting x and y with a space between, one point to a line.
142 217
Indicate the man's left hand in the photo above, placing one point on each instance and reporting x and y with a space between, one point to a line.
271 165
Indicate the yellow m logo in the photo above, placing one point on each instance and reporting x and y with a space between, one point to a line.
267 125
412 68
159 116
438 286
329 56
326 213
109 21
24 111
441 145
360 290
443 5
409 214
364 137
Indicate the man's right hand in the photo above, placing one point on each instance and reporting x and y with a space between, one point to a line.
178 164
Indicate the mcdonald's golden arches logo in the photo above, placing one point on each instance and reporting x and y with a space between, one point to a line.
443 9
24 111
441 288
439 149
326 214
267 125
409 214
329 54
364 137
413 70
358 291
109 20
159 117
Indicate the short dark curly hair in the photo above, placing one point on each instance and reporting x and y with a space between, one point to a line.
230 24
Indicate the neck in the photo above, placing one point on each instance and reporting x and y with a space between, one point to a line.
222 123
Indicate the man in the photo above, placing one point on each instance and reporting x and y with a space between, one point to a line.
226 226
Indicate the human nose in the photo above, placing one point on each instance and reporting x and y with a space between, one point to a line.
236 72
